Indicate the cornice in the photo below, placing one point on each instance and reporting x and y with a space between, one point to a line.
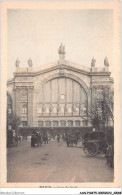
74 69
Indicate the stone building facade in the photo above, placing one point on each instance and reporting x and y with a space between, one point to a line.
56 94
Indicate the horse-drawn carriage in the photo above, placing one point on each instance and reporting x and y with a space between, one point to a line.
45 137
36 139
71 139
94 143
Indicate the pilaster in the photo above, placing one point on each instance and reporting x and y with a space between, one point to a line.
30 107
17 104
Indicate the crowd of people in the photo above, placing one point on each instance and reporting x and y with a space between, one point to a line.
70 137
37 138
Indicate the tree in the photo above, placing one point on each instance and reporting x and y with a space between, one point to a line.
94 115
107 104
102 109
13 120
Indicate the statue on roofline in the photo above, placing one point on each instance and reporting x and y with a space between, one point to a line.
30 63
61 51
17 63
93 62
106 63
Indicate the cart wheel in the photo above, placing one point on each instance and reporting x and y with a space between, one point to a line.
91 149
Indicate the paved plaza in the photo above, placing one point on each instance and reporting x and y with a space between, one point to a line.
55 162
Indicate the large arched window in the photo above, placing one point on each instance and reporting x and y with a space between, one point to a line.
63 96
63 90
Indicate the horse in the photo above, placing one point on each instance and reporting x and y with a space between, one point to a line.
36 140
71 139
45 138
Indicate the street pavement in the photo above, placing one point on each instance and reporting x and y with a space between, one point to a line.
55 162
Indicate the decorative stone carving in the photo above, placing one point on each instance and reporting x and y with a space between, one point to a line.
99 94
61 52
51 108
106 63
99 78
65 108
58 108
73 107
17 63
93 62
61 71
23 95
81 108
26 79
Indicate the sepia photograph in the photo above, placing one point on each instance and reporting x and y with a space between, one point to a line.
61 90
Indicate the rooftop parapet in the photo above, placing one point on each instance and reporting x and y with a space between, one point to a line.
62 62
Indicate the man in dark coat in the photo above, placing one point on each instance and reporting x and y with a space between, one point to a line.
32 140
58 138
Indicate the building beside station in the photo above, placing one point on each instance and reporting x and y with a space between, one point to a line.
58 94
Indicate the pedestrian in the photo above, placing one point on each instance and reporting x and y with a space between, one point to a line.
67 140
58 138
19 138
32 140
110 156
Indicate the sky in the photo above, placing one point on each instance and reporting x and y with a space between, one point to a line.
37 34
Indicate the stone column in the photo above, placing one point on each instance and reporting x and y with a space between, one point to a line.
93 94
73 123
30 107
14 100
66 123
17 107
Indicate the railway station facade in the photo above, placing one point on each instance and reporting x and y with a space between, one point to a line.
58 94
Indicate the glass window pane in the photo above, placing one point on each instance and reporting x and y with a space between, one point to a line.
40 123
63 123
24 123
85 123
48 123
70 123
55 123
77 123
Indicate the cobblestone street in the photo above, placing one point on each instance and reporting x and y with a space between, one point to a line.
54 162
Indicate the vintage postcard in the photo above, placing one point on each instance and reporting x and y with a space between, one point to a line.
60 123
